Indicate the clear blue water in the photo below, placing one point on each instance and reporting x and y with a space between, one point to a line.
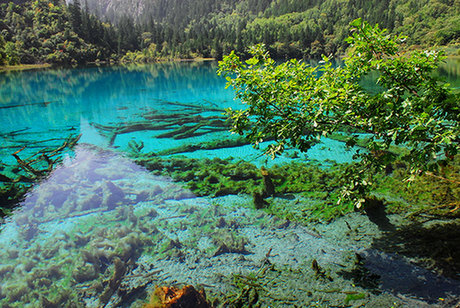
54 103
98 208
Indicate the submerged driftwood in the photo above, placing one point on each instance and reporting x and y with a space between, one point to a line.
212 145
177 125
42 162
17 180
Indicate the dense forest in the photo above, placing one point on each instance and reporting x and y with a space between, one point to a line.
54 31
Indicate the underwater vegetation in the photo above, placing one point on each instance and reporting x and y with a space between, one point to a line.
427 194
433 194
220 177
92 235
321 183
102 229
95 254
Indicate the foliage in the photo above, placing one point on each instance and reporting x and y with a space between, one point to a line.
434 193
51 31
2 50
296 104
146 55
288 28
11 53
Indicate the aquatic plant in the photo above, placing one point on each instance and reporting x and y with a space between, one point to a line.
114 282
353 297
218 177
227 241
435 194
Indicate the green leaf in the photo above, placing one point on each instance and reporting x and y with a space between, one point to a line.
356 23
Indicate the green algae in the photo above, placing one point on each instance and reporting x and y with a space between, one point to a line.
321 188
218 177
353 297
17 179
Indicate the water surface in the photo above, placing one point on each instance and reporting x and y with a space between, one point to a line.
101 230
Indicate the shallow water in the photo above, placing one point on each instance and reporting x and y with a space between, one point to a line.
100 230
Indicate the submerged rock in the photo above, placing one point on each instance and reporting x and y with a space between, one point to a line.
88 202
172 297
85 272
112 195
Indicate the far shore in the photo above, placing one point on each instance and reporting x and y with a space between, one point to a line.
23 67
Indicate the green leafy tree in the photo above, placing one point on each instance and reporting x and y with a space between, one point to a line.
2 52
11 53
295 105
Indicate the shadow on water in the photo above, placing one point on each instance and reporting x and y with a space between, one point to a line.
375 211
413 262
436 247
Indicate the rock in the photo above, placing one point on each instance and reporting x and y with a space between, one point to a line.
84 273
112 195
88 202
172 297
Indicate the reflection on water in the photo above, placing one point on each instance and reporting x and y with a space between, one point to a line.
449 71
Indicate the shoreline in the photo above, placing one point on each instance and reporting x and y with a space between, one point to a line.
448 50
24 67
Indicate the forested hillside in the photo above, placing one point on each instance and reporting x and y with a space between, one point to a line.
49 31
290 28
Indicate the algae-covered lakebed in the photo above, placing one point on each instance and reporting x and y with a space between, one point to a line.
116 180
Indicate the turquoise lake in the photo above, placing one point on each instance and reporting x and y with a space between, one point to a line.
101 230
